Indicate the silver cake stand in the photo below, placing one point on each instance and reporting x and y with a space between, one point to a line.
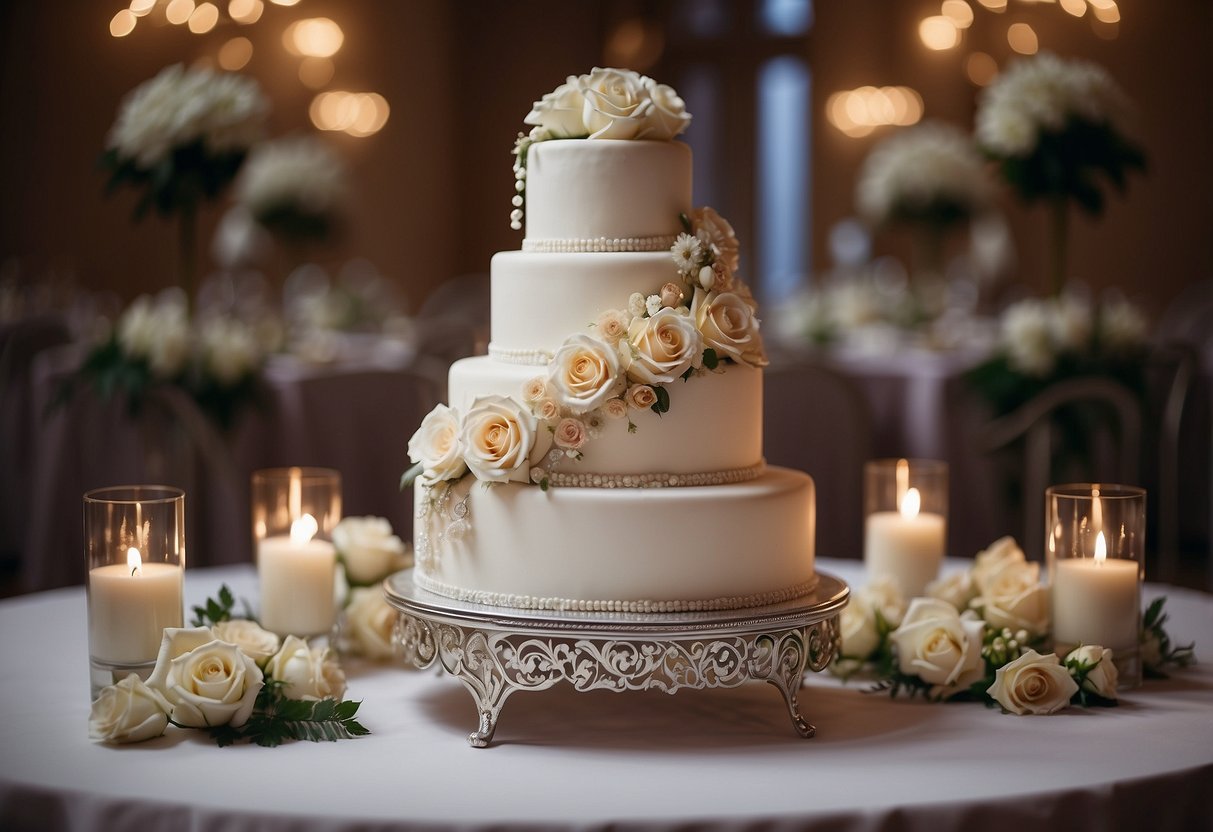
496 651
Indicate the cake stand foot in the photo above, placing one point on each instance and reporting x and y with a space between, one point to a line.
481 737
803 727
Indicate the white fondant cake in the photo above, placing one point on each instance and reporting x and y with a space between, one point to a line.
607 453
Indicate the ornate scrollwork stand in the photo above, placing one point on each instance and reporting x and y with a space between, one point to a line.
496 651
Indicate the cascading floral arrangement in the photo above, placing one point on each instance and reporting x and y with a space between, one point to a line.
295 188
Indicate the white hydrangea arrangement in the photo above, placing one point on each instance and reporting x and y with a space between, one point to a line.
295 187
696 323
604 104
1057 128
977 634
216 361
234 679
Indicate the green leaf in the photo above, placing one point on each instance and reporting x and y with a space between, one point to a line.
662 405
710 359
686 222
214 611
411 475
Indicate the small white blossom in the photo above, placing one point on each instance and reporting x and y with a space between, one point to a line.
687 252
652 304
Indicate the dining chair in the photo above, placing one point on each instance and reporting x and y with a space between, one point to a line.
816 420
1034 425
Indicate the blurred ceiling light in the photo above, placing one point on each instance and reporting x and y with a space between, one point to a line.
634 43
938 32
359 114
999 6
123 23
179 11
285 2
981 68
1075 7
235 54
959 12
858 112
1105 11
1022 39
204 18
141 7
314 73
315 37
245 11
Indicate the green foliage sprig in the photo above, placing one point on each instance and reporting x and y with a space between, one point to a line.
276 719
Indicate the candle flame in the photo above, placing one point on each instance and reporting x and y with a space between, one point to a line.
1101 548
304 529
902 474
133 561
910 504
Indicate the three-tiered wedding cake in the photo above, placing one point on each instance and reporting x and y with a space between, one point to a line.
607 453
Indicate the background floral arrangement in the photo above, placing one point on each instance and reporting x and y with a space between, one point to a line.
295 188
628 362
1057 128
977 635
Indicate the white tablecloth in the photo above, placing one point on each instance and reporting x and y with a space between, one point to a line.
724 759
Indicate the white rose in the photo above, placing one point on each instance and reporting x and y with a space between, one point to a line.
208 682
957 589
616 104
534 389
1103 676
547 409
935 644
128 711
719 235
729 326
436 445
884 597
584 373
663 347
368 549
497 438
1033 684
309 673
1014 597
667 117
560 112
992 558
615 408
256 643
857 631
370 622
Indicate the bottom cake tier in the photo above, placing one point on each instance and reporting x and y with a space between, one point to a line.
623 549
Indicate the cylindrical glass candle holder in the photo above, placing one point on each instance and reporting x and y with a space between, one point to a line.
294 513
1095 537
905 521
134 545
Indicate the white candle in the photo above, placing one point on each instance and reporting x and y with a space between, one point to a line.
906 546
297 575
129 605
1096 600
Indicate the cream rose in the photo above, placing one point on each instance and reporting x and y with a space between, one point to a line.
671 295
641 396
1014 597
309 673
128 711
547 409
497 438
370 622
368 549
957 589
616 104
1101 677
935 644
584 373
615 408
1033 684
718 234
663 347
534 389
436 445
560 112
667 116
256 643
208 682
992 558
728 325
570 434
858 632
884 597
613 325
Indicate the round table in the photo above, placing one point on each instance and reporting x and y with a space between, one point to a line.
712 759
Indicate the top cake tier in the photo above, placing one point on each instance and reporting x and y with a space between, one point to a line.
605 195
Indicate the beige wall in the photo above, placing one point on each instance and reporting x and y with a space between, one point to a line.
434 185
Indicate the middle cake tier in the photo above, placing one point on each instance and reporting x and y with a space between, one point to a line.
539 299
712 433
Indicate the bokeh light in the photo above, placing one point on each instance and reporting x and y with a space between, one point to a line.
235 54
315 37
860 111
204 18
359 114
178 11
315 73
981 69
938 33
959 12
1022 38
245 12
141 7
123 23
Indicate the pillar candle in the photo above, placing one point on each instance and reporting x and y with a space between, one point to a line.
129 607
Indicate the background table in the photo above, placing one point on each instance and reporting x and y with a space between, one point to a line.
717 759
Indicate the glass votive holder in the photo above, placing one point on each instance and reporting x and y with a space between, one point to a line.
134 545
905 521
294 513
1095 536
